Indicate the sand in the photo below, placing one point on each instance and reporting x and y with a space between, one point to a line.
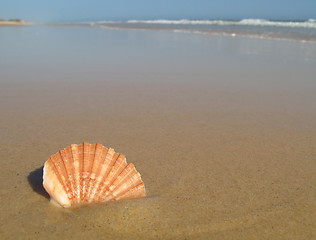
220 160
4 23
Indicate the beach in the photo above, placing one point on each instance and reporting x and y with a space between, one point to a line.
14 22
221 128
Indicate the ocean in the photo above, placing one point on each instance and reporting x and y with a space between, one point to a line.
256 28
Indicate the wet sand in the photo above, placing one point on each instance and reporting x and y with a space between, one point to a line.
221 157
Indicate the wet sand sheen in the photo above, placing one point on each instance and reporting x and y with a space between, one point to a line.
222 130
211 169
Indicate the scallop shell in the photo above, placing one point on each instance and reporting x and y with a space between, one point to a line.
89 173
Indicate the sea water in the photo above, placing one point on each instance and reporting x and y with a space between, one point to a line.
258 28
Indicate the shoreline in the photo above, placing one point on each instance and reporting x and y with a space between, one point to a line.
210 33
15 23
214 32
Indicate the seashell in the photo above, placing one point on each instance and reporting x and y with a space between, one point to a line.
87 173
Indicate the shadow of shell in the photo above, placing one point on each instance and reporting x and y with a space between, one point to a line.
35 179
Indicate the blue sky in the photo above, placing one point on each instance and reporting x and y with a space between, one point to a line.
82 10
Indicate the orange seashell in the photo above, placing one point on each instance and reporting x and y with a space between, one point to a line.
89 173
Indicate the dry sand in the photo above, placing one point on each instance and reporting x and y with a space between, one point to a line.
14 23
219 162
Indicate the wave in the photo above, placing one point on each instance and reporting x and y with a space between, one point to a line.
304 31
310 23
262 22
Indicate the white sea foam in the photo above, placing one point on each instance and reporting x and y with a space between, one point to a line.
182 21
311 23
263 22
